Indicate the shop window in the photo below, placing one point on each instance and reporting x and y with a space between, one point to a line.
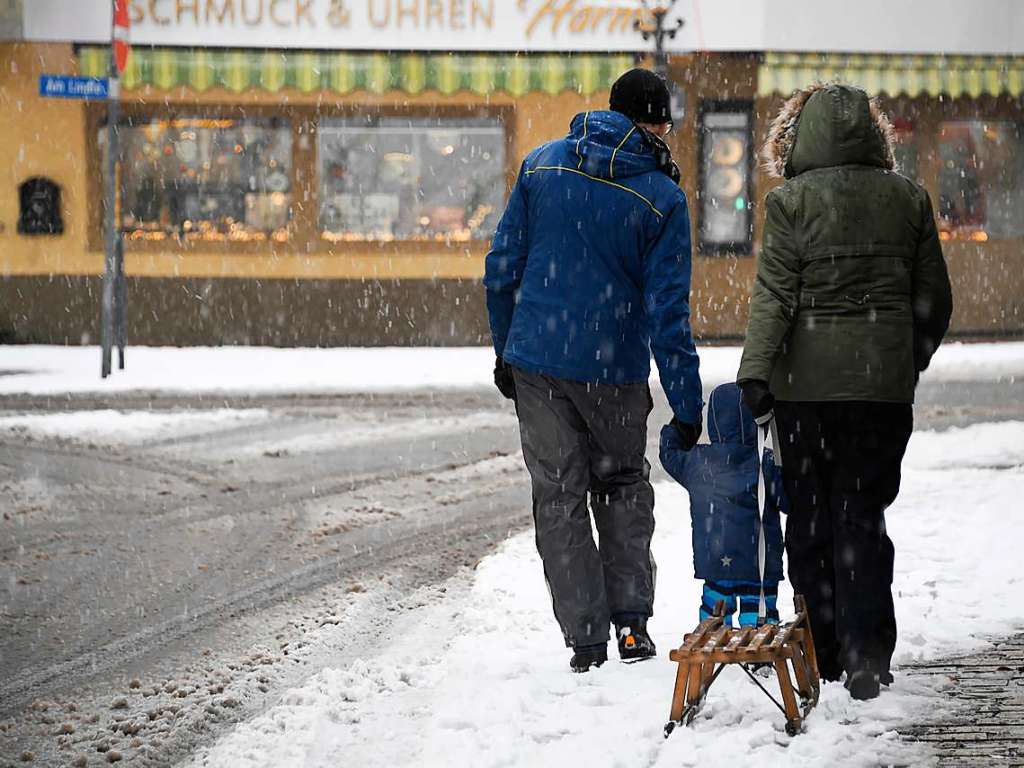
724 214
209 179
981 179
411 179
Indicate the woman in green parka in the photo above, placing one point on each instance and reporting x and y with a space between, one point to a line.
851 300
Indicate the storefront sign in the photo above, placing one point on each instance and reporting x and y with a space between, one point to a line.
978 27
441 25
570 24
72 87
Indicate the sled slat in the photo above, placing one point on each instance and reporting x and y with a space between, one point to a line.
717 639
781 636
762 636
739 639
693 639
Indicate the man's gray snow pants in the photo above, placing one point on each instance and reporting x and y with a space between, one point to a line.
590 439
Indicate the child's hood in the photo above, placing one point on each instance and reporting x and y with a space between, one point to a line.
729 419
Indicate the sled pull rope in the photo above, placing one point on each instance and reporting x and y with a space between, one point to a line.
764 440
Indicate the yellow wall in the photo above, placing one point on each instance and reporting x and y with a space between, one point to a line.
41 137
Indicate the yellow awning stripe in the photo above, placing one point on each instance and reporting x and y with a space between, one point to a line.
344 72
894 75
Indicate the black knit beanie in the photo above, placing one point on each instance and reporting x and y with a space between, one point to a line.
642 96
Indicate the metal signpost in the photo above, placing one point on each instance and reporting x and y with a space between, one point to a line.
112 313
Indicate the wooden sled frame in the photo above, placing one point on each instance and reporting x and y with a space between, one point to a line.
780 646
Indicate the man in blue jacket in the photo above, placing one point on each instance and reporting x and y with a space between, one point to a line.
589 274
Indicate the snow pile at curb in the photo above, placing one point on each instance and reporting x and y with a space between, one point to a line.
481 678
991 361
254 370
134 427
129 427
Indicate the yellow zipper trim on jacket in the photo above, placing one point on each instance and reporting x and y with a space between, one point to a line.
611 164
595 178
586 116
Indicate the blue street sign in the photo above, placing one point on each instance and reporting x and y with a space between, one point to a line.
72 87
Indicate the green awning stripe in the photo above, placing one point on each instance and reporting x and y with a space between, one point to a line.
954 76
344 72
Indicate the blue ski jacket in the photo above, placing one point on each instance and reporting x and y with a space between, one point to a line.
589 271
721 479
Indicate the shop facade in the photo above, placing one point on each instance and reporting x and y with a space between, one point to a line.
345 192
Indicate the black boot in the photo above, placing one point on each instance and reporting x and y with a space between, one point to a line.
863 685
586 656
634 642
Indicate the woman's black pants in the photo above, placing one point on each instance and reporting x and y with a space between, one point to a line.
841 464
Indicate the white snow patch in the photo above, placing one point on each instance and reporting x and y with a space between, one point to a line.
990 361
991 446
349 432
481 678
48 370
52 370
128 427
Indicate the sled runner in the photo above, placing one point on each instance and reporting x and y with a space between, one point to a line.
711 647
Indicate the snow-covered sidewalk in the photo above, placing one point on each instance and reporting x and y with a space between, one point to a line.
481 679
45 370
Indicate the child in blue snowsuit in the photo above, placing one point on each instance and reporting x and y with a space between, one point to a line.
721 479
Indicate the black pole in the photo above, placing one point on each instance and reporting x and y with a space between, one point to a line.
110 252
112 228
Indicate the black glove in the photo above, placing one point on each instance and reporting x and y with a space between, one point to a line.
759 400
503 378
688 433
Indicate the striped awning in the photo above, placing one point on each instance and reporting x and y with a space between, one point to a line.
345 72
954 76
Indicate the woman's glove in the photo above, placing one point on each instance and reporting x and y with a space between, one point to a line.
759 400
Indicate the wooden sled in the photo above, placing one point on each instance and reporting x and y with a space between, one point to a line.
711 647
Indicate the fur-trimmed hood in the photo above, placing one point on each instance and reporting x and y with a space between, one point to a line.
826 125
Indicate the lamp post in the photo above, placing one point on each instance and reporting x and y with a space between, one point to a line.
655 27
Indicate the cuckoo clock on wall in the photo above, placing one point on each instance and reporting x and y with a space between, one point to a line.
39 207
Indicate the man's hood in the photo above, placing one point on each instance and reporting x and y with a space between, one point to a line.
729 419
609 145
827 125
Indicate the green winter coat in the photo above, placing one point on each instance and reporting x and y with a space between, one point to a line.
852 294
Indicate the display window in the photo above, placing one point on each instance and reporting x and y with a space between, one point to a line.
981 179
327 180
384 178
205 178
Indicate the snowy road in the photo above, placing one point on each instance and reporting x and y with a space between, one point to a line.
172 563
239 532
